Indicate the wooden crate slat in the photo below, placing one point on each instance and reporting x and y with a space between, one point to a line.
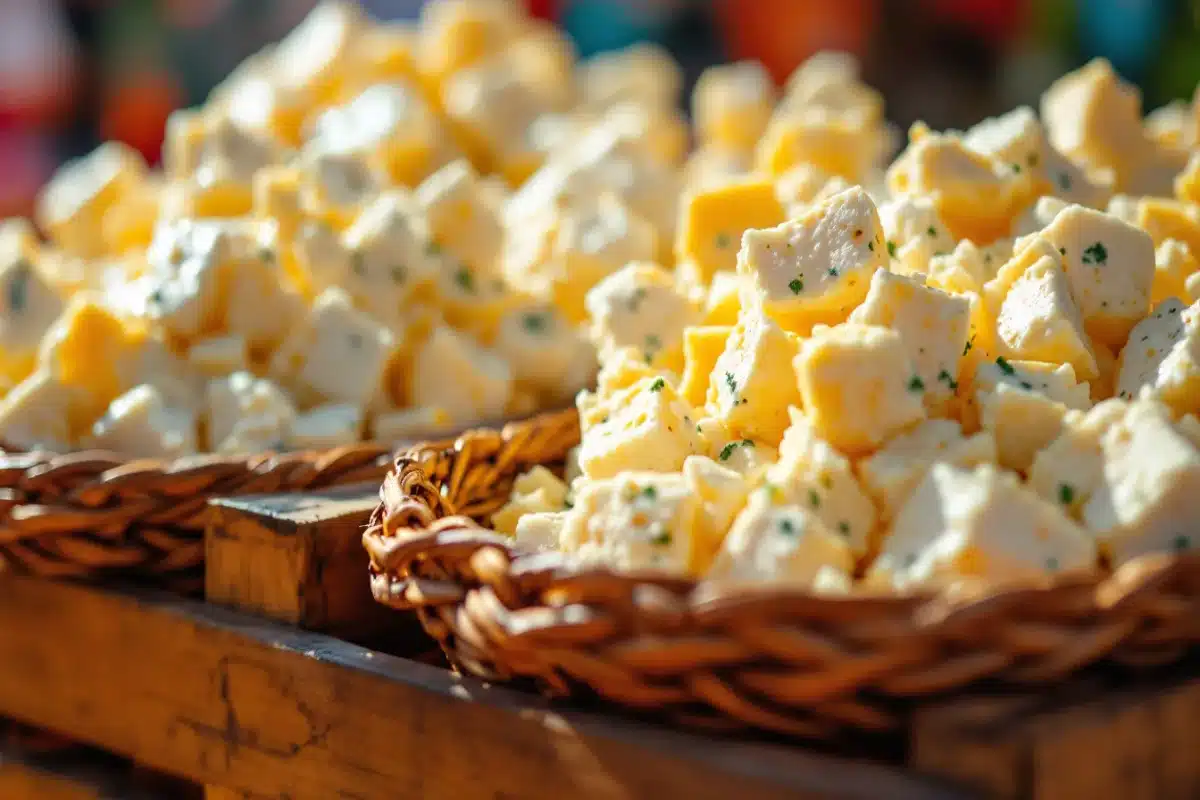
230 700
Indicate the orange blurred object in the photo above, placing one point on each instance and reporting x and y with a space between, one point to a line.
783 33
136 111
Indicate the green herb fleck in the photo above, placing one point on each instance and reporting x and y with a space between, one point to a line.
1095 253
967 347
1181 543
796 285
1064 181
722 240
653 342
534 323
661 539
947 379
932 231
18 288
731 383
871 246
1027 385
833 272
891 248
266 255
844 528
915 384
1066 494
464 279
658 385
786 527
814 499
727 451
635 299
650 493
1004 366
1016 168
1062 251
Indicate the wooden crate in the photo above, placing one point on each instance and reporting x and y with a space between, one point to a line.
267 704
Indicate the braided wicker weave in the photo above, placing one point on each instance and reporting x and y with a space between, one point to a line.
780 660
101 514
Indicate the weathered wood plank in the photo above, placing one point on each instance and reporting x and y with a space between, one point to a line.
1085 740
297 558
80 774
234 701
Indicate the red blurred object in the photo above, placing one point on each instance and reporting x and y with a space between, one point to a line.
25 162
136 111
545 9
993 20
783 33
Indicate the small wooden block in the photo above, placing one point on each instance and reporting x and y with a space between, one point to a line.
1086 740
297 558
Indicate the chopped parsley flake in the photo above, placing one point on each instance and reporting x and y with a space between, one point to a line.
465 279
1064 181
1066 494
1096 253
833 272
658 385
18 288
946 378
731 382
814 499
661 539
1016 168
891 248
1181 543
534 322
844 528
932 231
1027 385
796 285
967 347
1062 251
915 384
786 527
266 255
650 493
722 240
871 246
635 299
727 451
1004 366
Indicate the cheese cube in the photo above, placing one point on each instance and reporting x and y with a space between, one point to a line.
459 219
140 423
255 100
533 492
645 430
712 223
316 54
829 139
1039 215
30 306
1174 264
72 205
540 531
244 413
1036 316
933 325
325 427
543 57
335 187
547 354
721 493
1068 470
752 382
1110 266
713 166
185 289
975 195
40 412
732 104
915 233
812 474
894 471
219 355
1187 182
722 303
1160 358
338 354
453 36
661 133
491 109
644 72
470 382
410 424
702 346
638 306
818 266
859 385
388 262
1023 403
978 524
635 521
778 545
744 456
1166 219
1150 493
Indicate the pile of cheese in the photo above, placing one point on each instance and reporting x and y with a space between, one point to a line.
368 231
984 370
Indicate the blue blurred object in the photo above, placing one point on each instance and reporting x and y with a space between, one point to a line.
1128 33
598 25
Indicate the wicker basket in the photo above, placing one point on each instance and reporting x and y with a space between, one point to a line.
780 660
95 514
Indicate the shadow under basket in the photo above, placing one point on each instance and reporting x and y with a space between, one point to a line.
95 514
781 660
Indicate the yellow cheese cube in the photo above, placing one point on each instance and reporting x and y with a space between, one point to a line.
712 223
543 58
643 72
547 354
452 36
894 471
219 355
722 493
533 492
1150 490
1035 313
732 103
1187 182
1160 358
142 424
42 412
491 109
980 524
459 219
30 306
638 306
817 267
1174 264
72 206
812 474
831 141
915 233
752 383
859 385
649 428
335 187
713 166
702 346
933 325
1166 219
314 57
722 303
780 545
470 382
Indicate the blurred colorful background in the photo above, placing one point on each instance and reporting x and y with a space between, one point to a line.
76 72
